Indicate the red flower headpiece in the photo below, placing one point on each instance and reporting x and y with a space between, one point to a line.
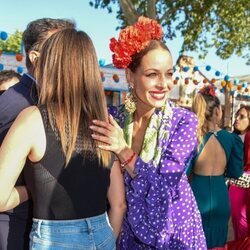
208 90
133 39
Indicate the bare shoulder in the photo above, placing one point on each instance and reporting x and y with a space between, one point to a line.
30 114
29 120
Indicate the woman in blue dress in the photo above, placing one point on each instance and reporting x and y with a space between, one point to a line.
220 155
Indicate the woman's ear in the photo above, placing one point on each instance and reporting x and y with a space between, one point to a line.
129 77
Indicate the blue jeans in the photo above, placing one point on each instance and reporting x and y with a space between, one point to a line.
92 233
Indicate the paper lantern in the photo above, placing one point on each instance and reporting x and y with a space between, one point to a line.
186 81
246 89
195 82
3 35
226 78
19 69
116 78
19 57
239 87
213 81
245 84
205 80
208 68
217 73
196 68
102 62
175 81
223 83
236 81
185 69
229 85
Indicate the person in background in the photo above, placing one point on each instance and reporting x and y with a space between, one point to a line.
8 78
15 224
239 190
219 155
67 175
153 142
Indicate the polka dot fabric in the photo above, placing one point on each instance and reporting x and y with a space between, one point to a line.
162 212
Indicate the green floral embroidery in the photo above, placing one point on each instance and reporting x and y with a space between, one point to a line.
156 132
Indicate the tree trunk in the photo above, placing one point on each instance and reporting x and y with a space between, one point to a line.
130 13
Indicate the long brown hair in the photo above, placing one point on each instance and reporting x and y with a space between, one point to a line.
203 106
71 89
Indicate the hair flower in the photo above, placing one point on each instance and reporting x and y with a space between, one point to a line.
133 39
208 90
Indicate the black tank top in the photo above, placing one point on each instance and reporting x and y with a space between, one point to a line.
59 193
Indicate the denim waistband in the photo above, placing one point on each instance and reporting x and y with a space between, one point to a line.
64 226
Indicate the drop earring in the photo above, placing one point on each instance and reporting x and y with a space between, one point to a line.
130 100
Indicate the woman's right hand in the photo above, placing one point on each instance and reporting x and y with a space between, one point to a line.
109 133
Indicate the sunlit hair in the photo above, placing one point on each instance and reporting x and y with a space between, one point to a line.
137 58
203 106
71 89
247 108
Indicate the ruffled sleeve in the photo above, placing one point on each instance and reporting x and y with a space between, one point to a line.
235 163
151 193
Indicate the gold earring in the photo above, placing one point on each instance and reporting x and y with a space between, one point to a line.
130 101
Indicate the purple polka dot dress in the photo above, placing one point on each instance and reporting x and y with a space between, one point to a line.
161 209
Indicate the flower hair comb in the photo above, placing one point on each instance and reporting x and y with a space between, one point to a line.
133 39
207 90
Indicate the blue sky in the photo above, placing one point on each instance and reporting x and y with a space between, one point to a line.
100 25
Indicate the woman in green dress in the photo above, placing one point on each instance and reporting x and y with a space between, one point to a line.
219 155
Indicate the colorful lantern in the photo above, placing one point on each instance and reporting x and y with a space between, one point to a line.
208 68
19 57
19 69
116 78
102 62
3 35
217 73
226 78
196 68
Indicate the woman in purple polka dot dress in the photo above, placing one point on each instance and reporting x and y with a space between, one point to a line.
154 141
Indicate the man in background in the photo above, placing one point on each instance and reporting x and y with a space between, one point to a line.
8 78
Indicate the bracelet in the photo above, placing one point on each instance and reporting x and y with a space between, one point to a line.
124 163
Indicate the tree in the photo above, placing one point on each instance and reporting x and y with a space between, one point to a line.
223 24
13 43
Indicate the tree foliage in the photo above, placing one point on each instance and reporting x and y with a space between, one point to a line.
13 43
203 24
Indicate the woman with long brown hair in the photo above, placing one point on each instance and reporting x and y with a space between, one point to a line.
219 154
67 175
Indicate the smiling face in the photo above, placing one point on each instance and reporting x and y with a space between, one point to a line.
152 80
241 120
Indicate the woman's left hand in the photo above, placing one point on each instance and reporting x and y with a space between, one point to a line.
109 133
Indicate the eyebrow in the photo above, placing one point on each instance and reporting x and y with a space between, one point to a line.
169 70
